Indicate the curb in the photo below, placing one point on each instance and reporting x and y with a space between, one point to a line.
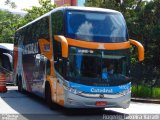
156 101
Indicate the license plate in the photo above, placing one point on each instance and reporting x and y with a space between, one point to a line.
101 103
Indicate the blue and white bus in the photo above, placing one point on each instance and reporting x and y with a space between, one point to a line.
77 57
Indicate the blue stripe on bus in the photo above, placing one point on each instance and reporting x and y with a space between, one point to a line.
92 89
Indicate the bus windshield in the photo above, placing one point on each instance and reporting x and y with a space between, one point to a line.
96 26
98 67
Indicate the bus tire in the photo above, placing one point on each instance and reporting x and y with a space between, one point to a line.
16 83
20 88
48 96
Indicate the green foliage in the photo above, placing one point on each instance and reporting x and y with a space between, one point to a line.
8 25
142 18
35 12
143 23
11 4
133 52
145 92
9 22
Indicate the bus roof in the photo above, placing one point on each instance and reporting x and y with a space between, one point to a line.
6 46
94 9
90 9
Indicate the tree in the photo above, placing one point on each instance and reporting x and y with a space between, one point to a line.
142 18
11 4
8 25
9 22
129 8
35 12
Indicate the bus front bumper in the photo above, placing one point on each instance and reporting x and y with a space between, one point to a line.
78 101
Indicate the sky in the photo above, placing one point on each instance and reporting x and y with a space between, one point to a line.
21 4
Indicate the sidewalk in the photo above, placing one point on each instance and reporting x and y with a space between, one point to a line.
146 100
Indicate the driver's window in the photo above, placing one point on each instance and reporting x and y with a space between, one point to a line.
48 68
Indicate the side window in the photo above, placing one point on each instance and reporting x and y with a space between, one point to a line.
42 27
40 66
58 23
48 68
58 29
25 33
37 30
57 49
59 61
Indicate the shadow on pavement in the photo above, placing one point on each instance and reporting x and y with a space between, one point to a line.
31 107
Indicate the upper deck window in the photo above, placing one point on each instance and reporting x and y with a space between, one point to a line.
96 26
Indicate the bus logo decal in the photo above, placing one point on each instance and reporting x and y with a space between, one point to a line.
47 47
104 90
101 46
101 96
31 48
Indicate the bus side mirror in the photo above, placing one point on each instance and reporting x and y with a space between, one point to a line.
140 49
64 45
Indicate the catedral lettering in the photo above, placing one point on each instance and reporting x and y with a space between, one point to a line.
76 46
93 90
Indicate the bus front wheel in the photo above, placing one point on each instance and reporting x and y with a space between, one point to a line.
48 96
20 88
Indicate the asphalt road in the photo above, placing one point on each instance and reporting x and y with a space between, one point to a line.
17 106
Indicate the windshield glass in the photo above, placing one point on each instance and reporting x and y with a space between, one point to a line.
96 26
97 67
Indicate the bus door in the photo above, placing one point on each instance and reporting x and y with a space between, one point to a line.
52 80
60 70
55 84
60 91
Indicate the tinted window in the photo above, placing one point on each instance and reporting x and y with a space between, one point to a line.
36 30
42 29
96 26
97 67
58 29
58 61
57 23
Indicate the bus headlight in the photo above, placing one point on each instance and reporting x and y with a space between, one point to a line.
72 90
126 92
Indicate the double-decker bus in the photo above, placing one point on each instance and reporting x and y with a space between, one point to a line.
77 57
